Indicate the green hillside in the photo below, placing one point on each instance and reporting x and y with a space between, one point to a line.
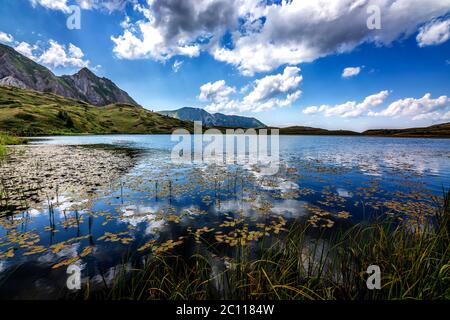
31 113
436 131
299 130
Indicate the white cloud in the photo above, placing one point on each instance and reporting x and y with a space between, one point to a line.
57 56
302 31
266 36
418 109
54 55
279 90
170 28
64 6
434 33
350 72
425 108
152 45
177 65
108 5
5 37
61 5
228 106
215 91
75 52
349 109
26 49
269 87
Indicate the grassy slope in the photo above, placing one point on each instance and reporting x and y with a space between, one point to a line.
436 131
26 112
298 130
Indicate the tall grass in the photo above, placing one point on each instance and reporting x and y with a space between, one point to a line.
307 264
6 140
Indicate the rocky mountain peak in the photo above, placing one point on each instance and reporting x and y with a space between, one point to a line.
85 72
17 70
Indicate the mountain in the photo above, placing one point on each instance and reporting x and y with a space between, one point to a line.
95 90
25 112
19 71
213 120
299 130
435 131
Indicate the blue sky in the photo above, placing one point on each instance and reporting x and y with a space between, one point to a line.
278 62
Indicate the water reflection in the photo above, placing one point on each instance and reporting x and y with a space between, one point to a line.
142 204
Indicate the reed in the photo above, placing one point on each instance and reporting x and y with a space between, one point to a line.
307 264
6 139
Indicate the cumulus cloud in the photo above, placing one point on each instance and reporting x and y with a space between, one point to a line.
26 49
279 90
266 35
54 54
418 109
175 27
61 5
434 33
215 91
5 37
64 6
302 31
349 109
351 72
267 89
58 56
227 106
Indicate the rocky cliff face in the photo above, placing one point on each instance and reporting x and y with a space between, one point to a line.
19 71
95 90
10 81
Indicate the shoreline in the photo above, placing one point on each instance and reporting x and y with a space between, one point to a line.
205 133
54 171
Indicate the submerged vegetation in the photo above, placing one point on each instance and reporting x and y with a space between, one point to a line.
414 263
141 227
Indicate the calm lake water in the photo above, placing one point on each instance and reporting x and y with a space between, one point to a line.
159 206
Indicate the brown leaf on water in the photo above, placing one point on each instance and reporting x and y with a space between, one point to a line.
147 245
86 251
58 247
66 262
35 250
9 253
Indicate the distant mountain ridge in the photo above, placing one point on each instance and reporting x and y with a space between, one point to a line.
34 101
300 130
435 131
213 120
16 70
